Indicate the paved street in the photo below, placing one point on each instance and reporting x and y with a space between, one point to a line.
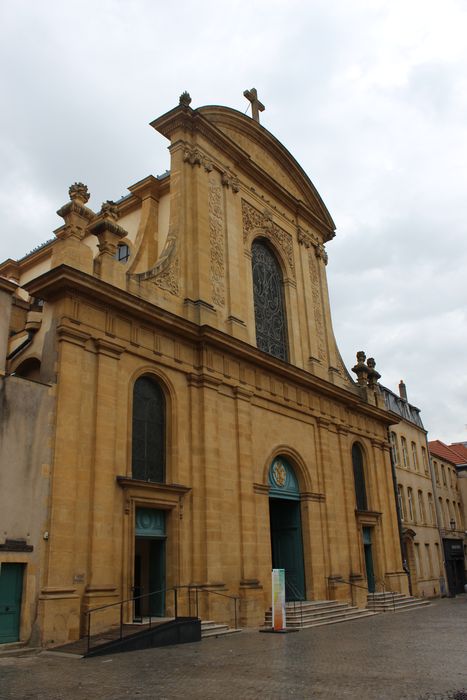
418 655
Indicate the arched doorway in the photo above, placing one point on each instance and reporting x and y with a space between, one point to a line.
286 527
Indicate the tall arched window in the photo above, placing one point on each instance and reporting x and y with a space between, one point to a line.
359 477
268 293
148 439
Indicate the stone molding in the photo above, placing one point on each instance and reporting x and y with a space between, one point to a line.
262 223
216 240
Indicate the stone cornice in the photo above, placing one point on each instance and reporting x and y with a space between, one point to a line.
7 285
63 279
127 482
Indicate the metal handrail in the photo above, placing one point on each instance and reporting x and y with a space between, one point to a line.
297 593
175 590
121 603
208 590
382 581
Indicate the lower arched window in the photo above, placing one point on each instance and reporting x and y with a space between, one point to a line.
359 477
148 436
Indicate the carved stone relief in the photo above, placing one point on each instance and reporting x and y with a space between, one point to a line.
166 272
255 219
195 156
216 239
318 309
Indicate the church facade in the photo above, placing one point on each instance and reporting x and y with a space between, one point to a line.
197 425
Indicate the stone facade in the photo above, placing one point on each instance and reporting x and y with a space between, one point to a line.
160 285
416 494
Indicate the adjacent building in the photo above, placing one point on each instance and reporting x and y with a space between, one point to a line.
416 496
450 510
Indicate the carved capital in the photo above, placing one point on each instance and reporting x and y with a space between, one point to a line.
321 254
229 179
195 156
306 239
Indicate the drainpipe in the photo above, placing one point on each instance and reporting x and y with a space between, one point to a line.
399 515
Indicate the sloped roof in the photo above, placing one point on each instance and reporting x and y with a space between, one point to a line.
440 449
402 407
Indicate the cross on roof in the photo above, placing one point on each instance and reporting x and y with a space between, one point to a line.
256 105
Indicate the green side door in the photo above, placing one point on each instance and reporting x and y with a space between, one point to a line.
11 587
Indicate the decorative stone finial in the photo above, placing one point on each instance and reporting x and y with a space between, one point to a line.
373 374
360 369
79 193
110 210
185 99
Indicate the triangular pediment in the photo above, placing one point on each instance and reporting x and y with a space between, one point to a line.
269 155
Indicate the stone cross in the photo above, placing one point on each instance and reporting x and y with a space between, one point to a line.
256 105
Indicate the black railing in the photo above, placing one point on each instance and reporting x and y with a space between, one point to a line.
297 598
151 617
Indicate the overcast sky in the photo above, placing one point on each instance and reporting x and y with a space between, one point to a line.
370 97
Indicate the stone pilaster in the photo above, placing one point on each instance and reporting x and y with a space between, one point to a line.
103 585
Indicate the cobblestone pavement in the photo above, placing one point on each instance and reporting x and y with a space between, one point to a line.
420 655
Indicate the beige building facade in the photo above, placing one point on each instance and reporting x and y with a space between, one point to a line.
197 426
416 494
450 508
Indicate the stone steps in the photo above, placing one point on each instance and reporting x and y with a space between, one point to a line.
209 628
317 613
397 602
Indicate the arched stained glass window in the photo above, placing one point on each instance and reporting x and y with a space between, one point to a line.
268 293
148 439
359 477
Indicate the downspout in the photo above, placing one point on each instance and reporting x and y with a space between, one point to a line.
399 515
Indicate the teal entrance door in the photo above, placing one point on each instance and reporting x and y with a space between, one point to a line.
286 527
149 566
11 587
286 545
370 572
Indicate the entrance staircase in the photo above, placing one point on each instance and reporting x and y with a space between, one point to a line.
394 602
314 613
209 628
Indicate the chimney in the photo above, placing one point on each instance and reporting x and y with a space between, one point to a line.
402 390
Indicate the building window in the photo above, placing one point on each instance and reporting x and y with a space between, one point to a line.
359 477
438 559
425 460
122 253
418 562
435 465
405 454
394 447
421 507
443 474
400 497
431 507
441 511
415 456
268 294
428 561
148 438
411 504
451 515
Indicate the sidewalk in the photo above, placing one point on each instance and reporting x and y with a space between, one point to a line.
416 655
